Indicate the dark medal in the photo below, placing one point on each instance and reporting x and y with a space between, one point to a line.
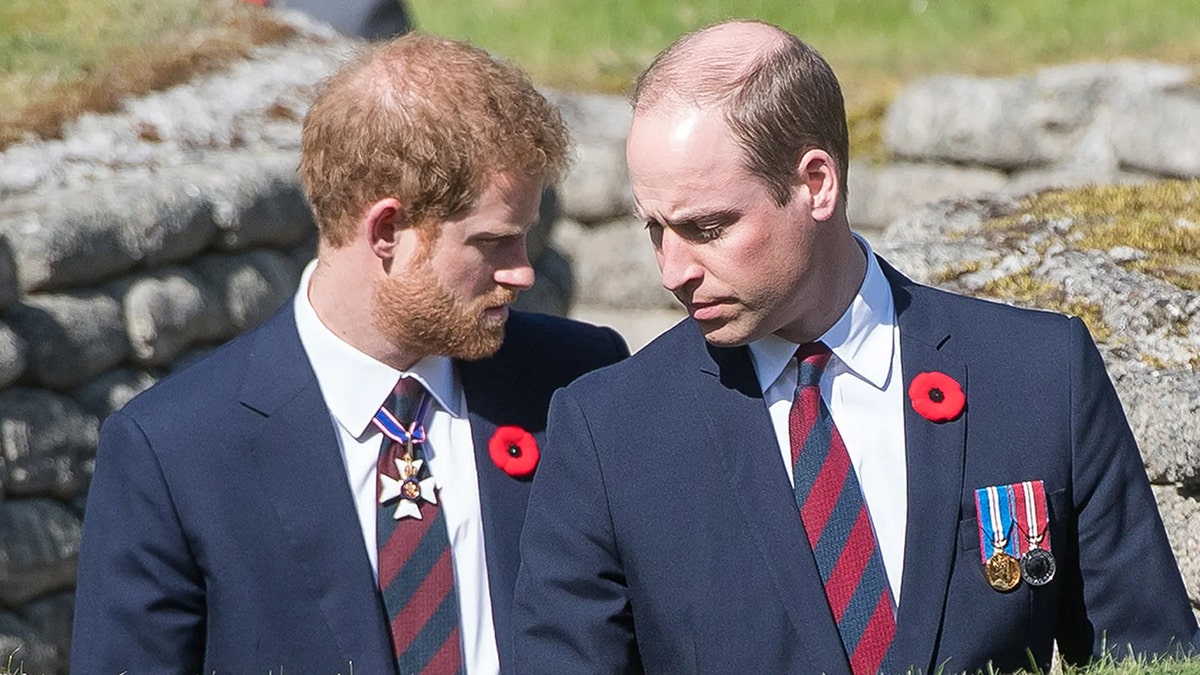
1037 567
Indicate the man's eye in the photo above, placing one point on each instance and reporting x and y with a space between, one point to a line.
652 224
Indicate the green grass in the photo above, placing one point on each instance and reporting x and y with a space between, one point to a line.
59 58
873 45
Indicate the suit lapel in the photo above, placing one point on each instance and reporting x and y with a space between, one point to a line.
729 392
492 401
934 453
300 470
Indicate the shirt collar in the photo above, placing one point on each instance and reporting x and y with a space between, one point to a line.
862 339
353 384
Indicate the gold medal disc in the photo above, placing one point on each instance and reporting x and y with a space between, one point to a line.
1003 572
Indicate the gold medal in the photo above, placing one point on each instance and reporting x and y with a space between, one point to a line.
1003 572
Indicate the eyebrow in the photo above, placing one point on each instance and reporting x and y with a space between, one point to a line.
701 219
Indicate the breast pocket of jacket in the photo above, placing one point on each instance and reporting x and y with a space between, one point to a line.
981 616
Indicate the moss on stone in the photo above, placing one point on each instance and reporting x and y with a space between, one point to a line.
1022 288
1161 220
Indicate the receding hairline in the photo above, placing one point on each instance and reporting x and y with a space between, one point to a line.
704 67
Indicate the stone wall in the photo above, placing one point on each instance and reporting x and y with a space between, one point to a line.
144 238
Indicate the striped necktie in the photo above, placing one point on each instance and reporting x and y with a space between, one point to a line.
416 572
837 523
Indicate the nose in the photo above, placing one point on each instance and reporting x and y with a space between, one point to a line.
518 273
676 262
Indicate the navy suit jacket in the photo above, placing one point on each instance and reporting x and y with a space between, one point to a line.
663 535
221 535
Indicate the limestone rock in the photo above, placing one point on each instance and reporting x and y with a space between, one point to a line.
880 195
111 391
168 311
596 188
47 444
553 288
257 200
106 228
1003 123
32 650
1179 509
72 336
41 549
614 265
1154 326
1160 132
12 355
51 617
251 286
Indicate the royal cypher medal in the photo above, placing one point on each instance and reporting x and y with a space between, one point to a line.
997 549
409 487
1037 562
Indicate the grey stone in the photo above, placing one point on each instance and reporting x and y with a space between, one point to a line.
12 355
548 213
1160 132
72 336
1180 512
1003 123
596 187
251 286
880 195
593 116
111 391
9 287
613 264
168 311
257 200
47 444
26 648
1023 183
104 229
41 549
552 290
1153 326
637 326
1170 443
51 616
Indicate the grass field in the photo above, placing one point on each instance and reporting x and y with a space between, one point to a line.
60 57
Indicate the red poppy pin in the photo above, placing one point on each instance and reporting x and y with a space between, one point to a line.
515 451
936 397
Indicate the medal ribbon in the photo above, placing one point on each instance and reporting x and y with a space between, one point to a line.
1032 517
393 429
993 508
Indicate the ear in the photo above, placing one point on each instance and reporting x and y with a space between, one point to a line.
817 173
384 225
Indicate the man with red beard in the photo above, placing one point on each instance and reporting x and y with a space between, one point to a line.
343 489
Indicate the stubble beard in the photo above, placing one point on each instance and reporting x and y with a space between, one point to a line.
418 314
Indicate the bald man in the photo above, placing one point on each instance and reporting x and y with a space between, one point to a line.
826 467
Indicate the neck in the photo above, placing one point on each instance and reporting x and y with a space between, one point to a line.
843 268
340 292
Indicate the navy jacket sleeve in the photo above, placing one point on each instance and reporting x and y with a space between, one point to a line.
139 596
572 612
1132 597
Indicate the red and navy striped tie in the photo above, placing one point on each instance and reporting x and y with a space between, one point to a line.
837 523
416 572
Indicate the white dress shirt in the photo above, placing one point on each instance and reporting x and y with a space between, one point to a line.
354 386
864 390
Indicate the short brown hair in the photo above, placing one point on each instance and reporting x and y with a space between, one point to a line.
425 120
785 103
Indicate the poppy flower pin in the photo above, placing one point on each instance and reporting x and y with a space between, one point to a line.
936 396
515 451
